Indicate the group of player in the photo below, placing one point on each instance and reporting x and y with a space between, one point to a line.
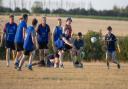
25 40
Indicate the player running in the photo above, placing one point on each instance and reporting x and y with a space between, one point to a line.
43 38
19 39
29 45
110 41
9 36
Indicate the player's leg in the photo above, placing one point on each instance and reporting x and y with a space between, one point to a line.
30 60
107 58
56 61
46 56
19 54
61 54
40 54
8 51
114 59
25 55
41 57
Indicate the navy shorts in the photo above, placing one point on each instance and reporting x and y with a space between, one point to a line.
27 53
10 45
19 47
43 46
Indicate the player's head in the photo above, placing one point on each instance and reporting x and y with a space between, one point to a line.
59 21
44 20
20 19
11 18
69 21
79 35
67 32
34 22
25 17
109 29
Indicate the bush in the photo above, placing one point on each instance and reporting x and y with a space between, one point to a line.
93 51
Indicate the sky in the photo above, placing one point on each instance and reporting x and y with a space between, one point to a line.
67 4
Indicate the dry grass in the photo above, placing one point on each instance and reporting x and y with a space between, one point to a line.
120 28
93 76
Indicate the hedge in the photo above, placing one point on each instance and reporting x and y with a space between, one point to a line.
93 51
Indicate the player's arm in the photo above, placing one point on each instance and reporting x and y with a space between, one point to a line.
33 34
117 43
49 35
67 42
82 45
53 36
24 29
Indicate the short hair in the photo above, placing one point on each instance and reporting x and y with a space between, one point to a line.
59 18
11 16
34 22
25 16
69 19
44 17
109 28
79 34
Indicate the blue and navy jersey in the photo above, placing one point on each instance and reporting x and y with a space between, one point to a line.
57 33
10 31
19 33
110 42
28 43
43 34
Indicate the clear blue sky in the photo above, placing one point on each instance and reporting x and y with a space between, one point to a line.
97 4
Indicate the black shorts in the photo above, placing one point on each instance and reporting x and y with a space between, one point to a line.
27 53
10 45
19 47
56 55
43 46
67 47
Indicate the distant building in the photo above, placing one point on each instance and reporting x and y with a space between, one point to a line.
37 4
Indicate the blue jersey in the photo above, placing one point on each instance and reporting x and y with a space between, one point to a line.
57 33
59 44
43 33
10 30
19 33
28 43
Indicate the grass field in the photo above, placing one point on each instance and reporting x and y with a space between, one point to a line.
92 76
120 28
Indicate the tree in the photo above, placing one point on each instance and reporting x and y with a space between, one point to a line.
37 10
24 10
17 9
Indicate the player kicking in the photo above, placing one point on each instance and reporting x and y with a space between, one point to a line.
63 44
78 53
9 34
110 40
19 38
43 38
29 45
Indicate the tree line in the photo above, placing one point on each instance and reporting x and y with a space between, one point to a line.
116 11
